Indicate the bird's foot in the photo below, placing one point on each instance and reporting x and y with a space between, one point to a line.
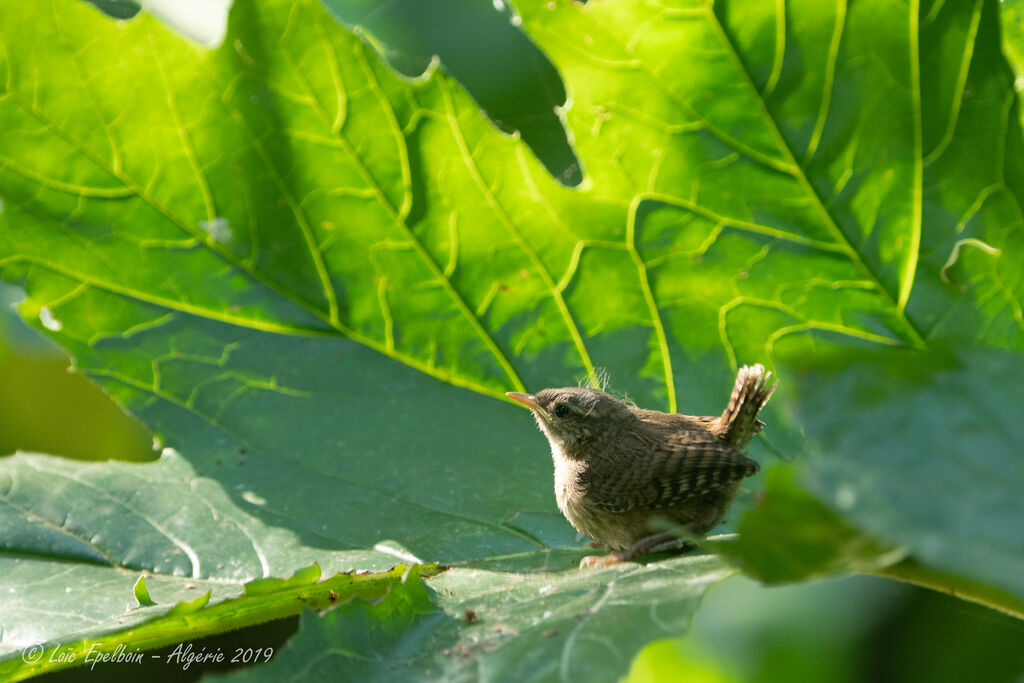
593 544
656 543
608 560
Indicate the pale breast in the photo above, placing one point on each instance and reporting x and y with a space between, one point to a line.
567 491
615 531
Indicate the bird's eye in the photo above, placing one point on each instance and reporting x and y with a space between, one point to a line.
561 410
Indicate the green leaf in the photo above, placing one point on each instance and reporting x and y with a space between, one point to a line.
793 537
487 61
917 449
872 416
142 593
664 661
291 264
154 626
538 626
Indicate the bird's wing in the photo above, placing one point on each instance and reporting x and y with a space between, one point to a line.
687 464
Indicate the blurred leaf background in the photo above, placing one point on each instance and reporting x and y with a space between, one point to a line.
847 629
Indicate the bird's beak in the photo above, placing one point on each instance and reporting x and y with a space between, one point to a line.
530 401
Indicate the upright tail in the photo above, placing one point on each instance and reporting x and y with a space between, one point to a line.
739 423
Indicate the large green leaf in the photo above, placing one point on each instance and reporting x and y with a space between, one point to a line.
916 443
500 626
281 256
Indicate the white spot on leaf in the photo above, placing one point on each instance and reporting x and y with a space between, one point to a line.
219 229
250 497
846 497
397 552
204 21
47 320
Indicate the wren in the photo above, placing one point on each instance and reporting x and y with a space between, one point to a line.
618 467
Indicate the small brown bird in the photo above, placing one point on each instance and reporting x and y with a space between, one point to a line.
618 466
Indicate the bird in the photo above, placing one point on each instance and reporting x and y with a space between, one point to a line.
618 467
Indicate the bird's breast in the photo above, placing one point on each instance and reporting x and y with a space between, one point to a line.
568 491
617 531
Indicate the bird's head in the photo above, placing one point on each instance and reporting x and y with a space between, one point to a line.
574 417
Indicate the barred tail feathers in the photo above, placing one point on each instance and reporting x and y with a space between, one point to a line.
739 423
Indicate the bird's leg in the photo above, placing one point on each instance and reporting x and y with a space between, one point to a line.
674 544
593 544
649 544
654 543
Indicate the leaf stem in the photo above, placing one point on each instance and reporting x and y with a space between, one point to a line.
912 572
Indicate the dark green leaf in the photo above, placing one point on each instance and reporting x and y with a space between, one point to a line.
793 537
923 451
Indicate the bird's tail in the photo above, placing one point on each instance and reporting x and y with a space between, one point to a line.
739 423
